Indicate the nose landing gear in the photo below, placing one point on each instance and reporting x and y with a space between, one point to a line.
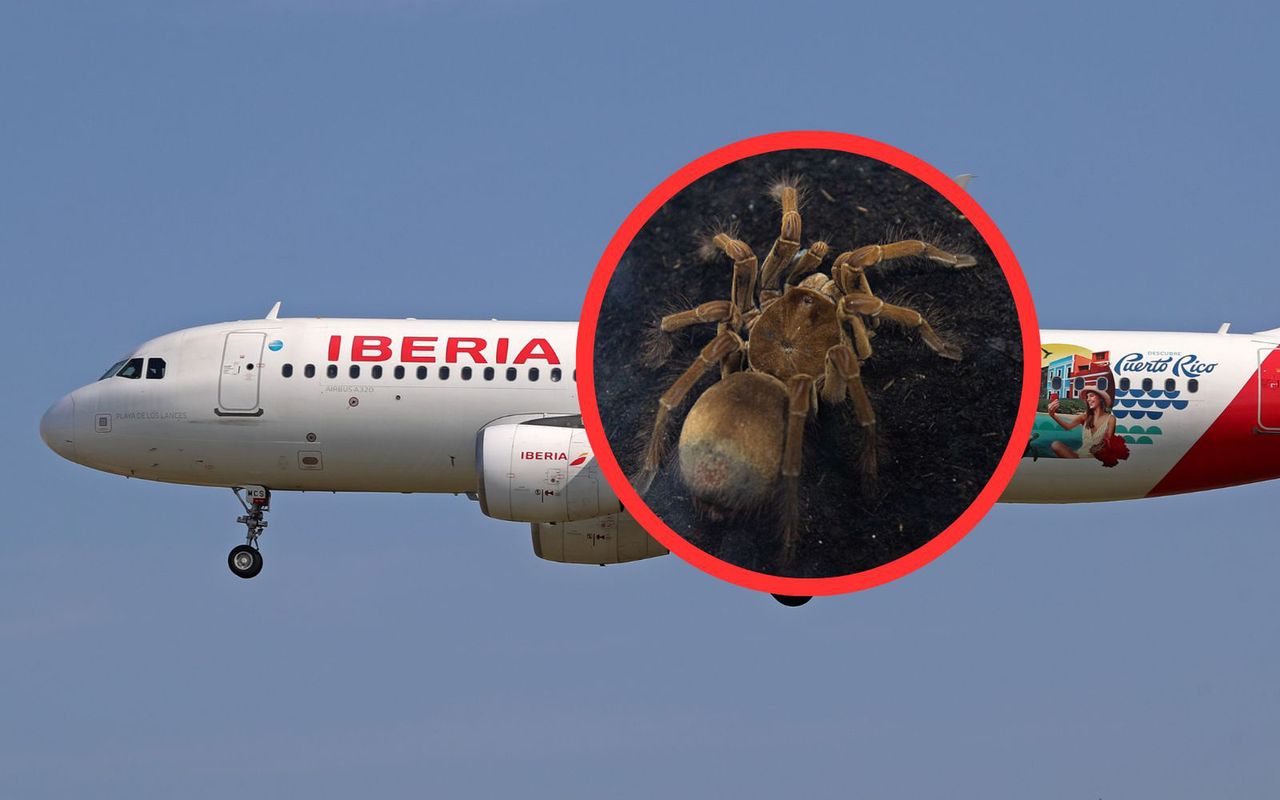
245 560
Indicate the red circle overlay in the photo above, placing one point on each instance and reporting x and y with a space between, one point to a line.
812 140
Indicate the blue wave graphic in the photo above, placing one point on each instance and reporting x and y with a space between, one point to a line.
1122 413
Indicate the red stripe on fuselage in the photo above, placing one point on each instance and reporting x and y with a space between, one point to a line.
1230 452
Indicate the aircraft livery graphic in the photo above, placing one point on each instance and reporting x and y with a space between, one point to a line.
1172 412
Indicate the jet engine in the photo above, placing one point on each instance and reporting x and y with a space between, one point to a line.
611 539
541 470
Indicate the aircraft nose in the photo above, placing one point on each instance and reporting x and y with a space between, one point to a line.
57 426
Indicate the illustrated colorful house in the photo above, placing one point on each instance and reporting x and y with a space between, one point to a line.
1071 374
1092 371
1058 368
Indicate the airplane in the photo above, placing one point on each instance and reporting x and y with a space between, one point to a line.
489 409
482 408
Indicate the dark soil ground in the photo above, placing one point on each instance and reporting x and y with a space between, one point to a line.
943 425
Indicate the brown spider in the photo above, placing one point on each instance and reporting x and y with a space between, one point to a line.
780 345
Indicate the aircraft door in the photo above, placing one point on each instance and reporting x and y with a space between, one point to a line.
1269 390
238 383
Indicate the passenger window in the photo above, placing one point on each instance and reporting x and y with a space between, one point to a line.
131 369
1170 384
466 373
575 376
1079 384
511 373
422 373
533 373
488 373
354 371
155 368
444 373
1147 384
287 370
309 371
1103 383
1193 385
1057 381
377 371
1124 384
332 371
399 373
555 374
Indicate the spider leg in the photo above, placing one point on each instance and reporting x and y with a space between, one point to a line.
848 275
861 339
849 267
808 261
657 346
799 407
874 254
865 288
743 293
844 376
859 277
840 286
788 241
875 308
713 311
831 290
744 270
717 350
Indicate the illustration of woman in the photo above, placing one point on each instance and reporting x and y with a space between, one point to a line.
1098 421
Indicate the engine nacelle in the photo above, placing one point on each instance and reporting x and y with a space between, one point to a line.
611 539
541 471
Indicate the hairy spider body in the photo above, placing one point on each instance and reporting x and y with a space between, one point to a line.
731 443
780 346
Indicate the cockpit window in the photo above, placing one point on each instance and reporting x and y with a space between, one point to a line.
131 369
155 368
112 370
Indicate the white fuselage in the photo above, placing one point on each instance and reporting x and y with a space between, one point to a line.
275 402
396 406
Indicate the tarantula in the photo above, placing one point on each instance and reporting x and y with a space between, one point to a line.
780 344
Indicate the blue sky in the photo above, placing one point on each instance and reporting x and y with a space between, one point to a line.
169 164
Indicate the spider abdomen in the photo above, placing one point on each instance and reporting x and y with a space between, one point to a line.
732 441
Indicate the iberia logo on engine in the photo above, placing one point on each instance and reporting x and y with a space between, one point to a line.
536 455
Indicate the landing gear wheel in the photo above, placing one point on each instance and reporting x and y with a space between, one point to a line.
245 561
791 601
